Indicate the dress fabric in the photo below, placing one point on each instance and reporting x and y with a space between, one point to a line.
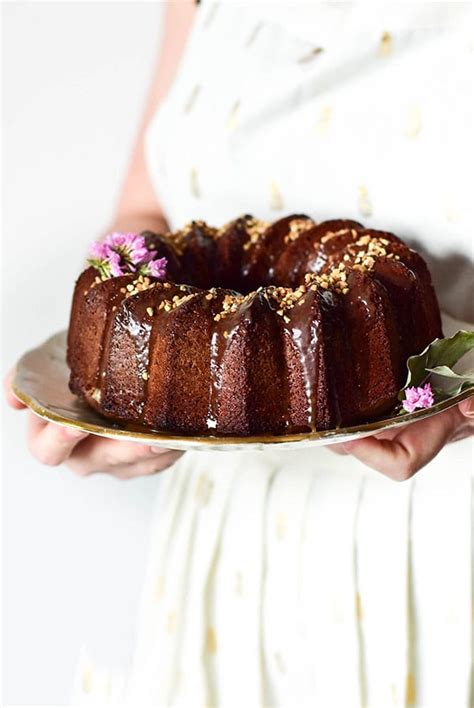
303 578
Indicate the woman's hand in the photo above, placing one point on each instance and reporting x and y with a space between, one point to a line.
401 452
85 454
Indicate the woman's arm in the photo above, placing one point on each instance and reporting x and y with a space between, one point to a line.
137 209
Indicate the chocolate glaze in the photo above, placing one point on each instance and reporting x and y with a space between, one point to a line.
307 254
172 357
92 310
258 267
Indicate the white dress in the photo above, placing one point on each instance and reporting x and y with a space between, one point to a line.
303 578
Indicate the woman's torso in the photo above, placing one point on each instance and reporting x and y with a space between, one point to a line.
333 109
305 578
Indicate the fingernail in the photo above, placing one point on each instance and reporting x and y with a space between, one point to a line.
157 450
347 446
467 407
74 434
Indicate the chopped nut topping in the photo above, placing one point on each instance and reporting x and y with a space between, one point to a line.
139 285
175 302
255 229
297 227
335 279
178 238
331 234
150 311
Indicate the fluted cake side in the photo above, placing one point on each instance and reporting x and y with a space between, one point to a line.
258 328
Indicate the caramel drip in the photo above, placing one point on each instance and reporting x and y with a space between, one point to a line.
115 300
223 331
218 347
304 332
140 332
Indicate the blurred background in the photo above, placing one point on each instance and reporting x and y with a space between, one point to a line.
73 550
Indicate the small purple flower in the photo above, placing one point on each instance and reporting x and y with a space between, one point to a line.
117 240
122 253
158 268
98 251
115 264
418 397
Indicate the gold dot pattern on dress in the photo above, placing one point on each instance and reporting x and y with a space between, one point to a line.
204 489
171 621
280 527
159 587
358 606
410 690
309 56
280 664
211 640
233 118
365 206
413 122
324 120
87 679
385 45
195 190
254 34
276 200
451 214
193 96
239 585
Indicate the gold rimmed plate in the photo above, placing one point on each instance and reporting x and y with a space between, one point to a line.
41 383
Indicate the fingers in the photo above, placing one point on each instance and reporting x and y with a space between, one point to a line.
148 467
123 460
467 407
410 449
51 444
85 454
11 399
338 448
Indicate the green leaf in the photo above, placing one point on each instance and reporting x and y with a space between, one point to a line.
441 354
448 381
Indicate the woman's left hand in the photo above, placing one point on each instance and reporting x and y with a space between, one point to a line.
85 454
401 452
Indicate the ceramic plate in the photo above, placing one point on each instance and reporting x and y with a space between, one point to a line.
41 382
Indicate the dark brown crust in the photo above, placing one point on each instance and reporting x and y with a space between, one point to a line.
178 358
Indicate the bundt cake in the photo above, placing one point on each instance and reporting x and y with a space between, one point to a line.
256 328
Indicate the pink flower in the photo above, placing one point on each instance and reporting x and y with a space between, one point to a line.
130 246
122 253
98 251
118 240
158 268
418 397
114 262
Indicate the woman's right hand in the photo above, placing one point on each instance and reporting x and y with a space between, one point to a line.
85 454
